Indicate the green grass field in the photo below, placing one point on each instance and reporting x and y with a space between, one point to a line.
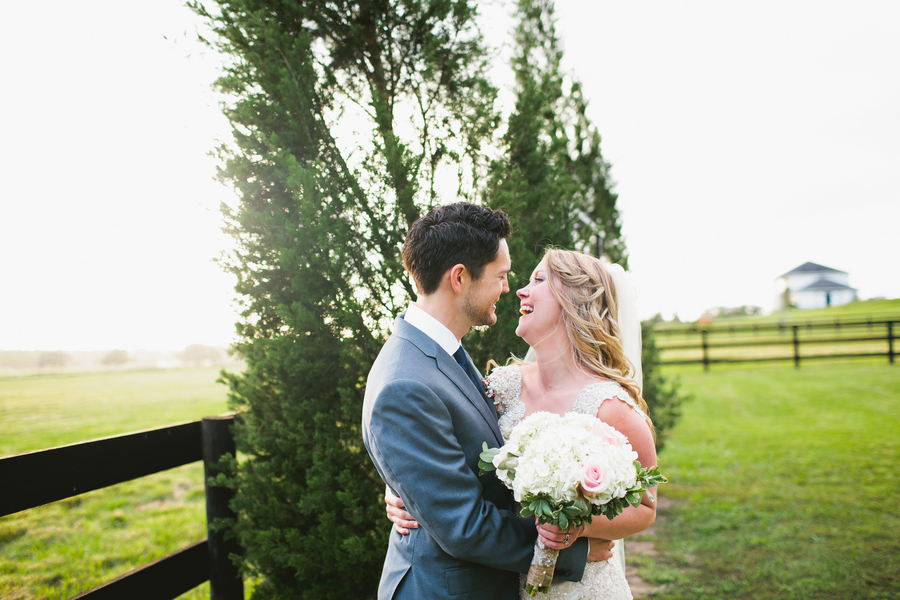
64 548
784 484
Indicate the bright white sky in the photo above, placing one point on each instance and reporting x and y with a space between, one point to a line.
746 139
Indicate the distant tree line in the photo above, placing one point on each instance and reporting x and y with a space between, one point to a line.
192 356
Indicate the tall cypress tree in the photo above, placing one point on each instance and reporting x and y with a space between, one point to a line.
318 231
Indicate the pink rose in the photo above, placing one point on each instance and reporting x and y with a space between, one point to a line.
594 479
608 433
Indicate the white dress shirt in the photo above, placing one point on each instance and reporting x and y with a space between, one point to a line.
431 327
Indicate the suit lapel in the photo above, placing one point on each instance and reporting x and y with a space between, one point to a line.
471 388
478 382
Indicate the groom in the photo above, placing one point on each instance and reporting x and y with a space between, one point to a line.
425 417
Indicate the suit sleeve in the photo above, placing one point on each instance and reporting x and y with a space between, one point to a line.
411 439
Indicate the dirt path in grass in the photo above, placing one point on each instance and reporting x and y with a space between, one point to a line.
639 544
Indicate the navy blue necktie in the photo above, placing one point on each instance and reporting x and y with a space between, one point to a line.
460 356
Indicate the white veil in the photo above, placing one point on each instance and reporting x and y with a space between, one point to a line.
629 322
630 330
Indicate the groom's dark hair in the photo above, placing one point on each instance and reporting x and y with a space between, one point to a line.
449 235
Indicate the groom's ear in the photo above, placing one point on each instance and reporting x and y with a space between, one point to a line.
458 275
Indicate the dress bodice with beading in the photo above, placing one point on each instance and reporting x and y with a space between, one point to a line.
602 580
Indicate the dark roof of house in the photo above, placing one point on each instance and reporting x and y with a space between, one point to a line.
824 285
810 267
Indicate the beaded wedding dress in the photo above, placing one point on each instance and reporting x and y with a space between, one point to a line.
602 580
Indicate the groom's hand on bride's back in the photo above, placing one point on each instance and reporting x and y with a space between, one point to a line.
600 549
402 520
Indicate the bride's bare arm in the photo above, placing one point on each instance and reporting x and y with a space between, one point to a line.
634 518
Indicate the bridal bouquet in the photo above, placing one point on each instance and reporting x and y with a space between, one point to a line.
565 470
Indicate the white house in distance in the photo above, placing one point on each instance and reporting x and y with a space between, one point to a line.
814 286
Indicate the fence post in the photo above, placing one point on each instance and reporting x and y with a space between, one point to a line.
225 580
796 347
705 350
891 341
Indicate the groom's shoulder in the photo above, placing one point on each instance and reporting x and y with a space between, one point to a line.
408 338
401 368
404 352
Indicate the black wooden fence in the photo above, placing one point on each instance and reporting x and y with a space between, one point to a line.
741 339
37 478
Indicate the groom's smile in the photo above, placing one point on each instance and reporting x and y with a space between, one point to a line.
480 306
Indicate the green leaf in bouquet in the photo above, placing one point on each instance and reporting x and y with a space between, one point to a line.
651 477
510 462
562 520
486 458
612 508
544 510
583 505
654 477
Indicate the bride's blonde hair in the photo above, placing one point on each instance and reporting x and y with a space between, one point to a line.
587 296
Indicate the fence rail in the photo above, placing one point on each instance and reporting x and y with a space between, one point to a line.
763 343
36 478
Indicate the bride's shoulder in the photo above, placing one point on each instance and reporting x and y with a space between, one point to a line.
597 393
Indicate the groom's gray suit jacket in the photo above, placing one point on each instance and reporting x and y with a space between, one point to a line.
424 421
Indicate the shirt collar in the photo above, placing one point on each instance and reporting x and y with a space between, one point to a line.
431 327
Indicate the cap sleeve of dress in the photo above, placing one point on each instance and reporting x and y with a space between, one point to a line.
590 399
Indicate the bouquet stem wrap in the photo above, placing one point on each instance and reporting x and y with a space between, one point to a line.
540 574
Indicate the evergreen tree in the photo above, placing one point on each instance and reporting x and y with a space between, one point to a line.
318 231
663 396
594 186
551 177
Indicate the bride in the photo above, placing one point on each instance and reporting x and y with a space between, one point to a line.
580 320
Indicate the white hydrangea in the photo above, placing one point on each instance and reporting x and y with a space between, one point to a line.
546 454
